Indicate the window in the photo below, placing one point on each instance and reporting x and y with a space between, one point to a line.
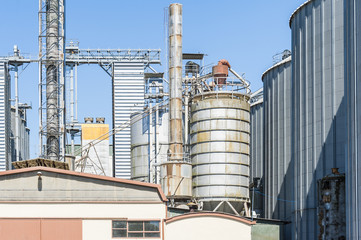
136 229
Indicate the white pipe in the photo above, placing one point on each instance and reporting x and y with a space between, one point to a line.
72 94
246 84
16 114
76 93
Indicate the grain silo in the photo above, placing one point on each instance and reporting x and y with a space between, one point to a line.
149 145
278 172
5 118
319 106
257 151
219 144
353 78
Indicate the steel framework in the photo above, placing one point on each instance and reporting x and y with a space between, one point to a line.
52 79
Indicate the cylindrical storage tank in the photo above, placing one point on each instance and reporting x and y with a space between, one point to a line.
219 139
353 81
278 168
257 151
142 154
319 105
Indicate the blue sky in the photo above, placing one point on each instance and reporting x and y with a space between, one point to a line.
247 33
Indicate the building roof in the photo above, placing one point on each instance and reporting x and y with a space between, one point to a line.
210 214
86 175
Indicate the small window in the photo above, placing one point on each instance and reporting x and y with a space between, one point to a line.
136 229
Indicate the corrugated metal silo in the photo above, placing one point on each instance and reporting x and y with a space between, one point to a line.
278 172
219 139
319 106
5 118
143 155
353 81
257 150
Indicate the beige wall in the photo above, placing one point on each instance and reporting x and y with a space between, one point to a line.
97 229
102 230
210 228
81 210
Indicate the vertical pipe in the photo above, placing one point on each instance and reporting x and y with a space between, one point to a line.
175 83
150 142
156 145
52 79
72 93
76 92
16 114
186 121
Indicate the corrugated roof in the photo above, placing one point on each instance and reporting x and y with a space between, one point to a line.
86 175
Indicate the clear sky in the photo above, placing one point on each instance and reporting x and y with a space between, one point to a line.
247 33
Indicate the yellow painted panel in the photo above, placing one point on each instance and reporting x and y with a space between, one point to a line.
93 131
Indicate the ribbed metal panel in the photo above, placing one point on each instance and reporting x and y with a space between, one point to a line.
278 172
257 152
128 97
319 118
4 117
219 137
353 80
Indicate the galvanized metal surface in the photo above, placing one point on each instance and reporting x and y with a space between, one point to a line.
140 148
219 132
175 83
278 170
332 209
176 179
23 148
128 97
257 152
353 79
5 118
319 105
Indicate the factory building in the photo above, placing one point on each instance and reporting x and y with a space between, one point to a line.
289 151
47 203
128 98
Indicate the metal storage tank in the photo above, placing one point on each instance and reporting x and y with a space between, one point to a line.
24 134
5 118
219 139
319 106
278 174
257 150
353 81
142 154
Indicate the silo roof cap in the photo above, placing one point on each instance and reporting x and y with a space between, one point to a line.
298 9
